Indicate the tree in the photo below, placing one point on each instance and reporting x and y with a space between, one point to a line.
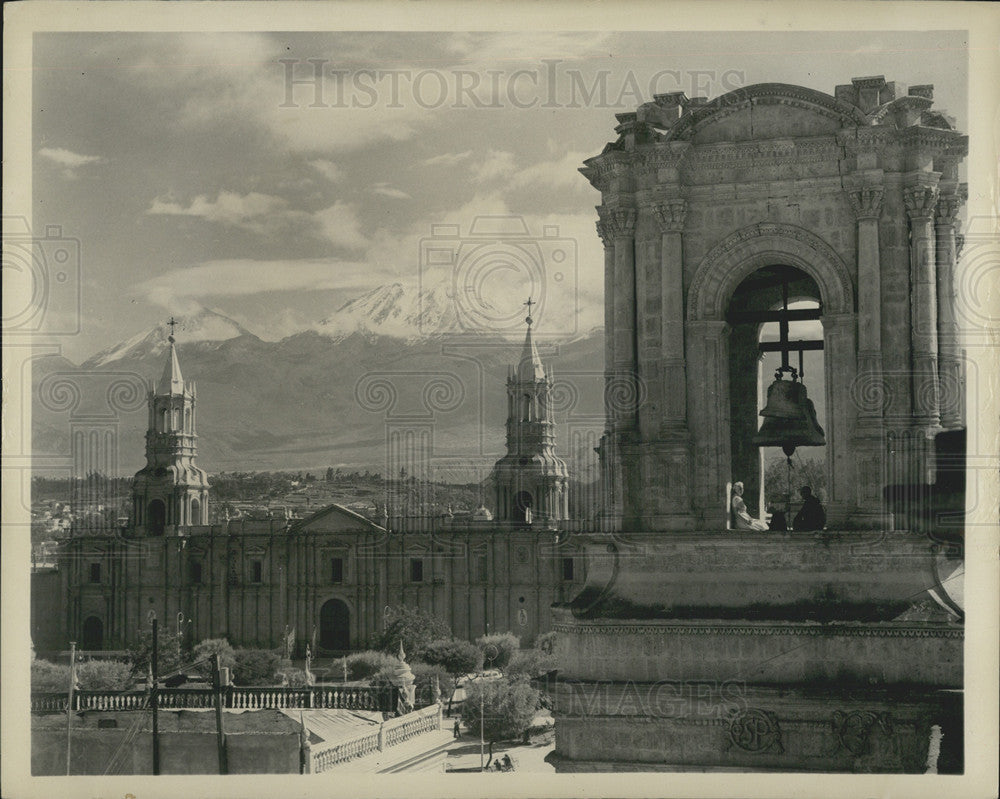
255 666
362 665
456 656
508 707
498 649
140 654
49 677
414 627
202 655
806 470
424 677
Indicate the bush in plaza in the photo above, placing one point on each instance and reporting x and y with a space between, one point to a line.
49 677
104 675
424 676
168 653
202 655
362 665
413 627
256 667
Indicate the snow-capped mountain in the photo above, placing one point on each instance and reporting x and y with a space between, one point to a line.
202 325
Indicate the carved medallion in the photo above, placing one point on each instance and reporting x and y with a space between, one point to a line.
756 731
854 729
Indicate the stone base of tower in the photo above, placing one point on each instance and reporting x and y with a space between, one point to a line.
773 651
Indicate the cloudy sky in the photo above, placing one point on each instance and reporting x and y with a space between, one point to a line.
214 169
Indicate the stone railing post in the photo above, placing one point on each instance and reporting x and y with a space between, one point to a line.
921 201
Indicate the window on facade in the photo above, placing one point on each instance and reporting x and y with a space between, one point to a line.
336 570
95 572
567 568
416 571
256 571
481 573
195 571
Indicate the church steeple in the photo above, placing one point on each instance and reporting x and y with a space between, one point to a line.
170 491
530 481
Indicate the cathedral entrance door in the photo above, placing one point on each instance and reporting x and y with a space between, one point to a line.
92 639
335 625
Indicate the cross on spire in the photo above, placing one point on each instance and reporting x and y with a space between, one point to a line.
172 323
529 303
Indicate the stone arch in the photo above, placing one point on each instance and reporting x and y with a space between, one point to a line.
92 634
335 625
768 244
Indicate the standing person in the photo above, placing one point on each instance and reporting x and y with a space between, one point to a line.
811 516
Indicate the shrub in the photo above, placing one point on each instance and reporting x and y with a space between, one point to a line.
498 649
362 665
530 663
424 675
213 646
456 656
104 675
509 706
46 676
255 666
414 627
294 678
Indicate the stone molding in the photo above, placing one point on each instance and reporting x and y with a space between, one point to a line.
867 202
671 215
825 630
754 730
921 202
746 250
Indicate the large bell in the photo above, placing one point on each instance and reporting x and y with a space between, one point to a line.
789 417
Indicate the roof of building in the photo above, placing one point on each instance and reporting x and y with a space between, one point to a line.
337 518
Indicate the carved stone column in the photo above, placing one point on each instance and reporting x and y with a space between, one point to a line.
867 204
952 396
670 215
920 204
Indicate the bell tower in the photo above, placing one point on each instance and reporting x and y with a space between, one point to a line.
530 481
170 491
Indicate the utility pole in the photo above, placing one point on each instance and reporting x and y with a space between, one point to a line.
69 705
220 733
154 699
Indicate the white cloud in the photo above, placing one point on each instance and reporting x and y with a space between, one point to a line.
561 174
328 169
507 47
340 224
389 191
446 159
228 207
497 164
235 277
67 159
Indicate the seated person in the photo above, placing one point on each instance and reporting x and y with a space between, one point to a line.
778 521
742 520
811 516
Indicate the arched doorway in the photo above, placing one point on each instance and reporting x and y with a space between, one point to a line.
92 634
195 512
774 315
335 625
156 515
522 502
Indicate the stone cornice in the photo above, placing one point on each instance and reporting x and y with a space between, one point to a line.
601 170
710 627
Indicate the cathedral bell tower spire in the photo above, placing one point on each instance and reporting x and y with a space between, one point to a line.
170 491
530 481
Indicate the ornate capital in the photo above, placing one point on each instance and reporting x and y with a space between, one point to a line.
604 231
920 201
671 215
947 209
619 222
867 202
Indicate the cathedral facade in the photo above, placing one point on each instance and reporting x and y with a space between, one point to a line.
324 580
